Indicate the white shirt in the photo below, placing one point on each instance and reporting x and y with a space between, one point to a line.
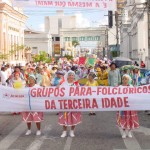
4 76
9 72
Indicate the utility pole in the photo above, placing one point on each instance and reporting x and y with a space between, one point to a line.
148 13
117 31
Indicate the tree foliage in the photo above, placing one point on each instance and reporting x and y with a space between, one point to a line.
114 53
42 56
75 43
69 57
15 48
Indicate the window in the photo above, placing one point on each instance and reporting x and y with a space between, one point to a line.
34 50
57 38
82 38
74 38
67 39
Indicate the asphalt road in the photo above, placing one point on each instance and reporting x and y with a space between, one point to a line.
94 133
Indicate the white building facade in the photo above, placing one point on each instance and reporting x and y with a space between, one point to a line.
38 41
93 40
53 24
134 31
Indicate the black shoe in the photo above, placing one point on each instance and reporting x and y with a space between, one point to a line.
90 114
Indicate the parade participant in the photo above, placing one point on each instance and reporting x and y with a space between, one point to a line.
17 82
114 78
136 77
90 69
47 71
45 79
82 73
142 64
9 71
29 71
136 64
40 64
38 75
59 79
98 70
103 78
127 120
54 70
91 82
3 76
69 118
67 68
17 69
30 117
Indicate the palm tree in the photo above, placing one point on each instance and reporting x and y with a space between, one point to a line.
75 43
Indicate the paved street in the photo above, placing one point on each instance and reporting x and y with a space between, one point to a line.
95 133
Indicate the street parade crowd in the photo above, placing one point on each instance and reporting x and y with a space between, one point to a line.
102 73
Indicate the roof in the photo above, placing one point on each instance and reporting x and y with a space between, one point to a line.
30 31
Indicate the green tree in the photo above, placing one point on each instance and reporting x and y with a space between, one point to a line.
75 43
42 56
14 49
69 57
114 53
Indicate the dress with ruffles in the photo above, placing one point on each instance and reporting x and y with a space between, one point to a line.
32 116
69 118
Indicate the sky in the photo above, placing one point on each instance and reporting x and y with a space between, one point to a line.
85 18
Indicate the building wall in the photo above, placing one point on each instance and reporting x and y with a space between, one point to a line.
54 23
148 34
89 38
120 6
12 25
137 33
124 44
38 42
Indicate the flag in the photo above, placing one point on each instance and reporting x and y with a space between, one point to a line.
82 60
91 61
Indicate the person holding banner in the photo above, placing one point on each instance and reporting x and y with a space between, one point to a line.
17 83
30 117
127 120
69 118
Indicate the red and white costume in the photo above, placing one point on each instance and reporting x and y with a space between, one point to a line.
128 120
32 116
69 118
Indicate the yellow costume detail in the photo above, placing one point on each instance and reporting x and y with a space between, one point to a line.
94 83
103 78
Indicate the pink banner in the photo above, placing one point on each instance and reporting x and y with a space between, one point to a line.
88 4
